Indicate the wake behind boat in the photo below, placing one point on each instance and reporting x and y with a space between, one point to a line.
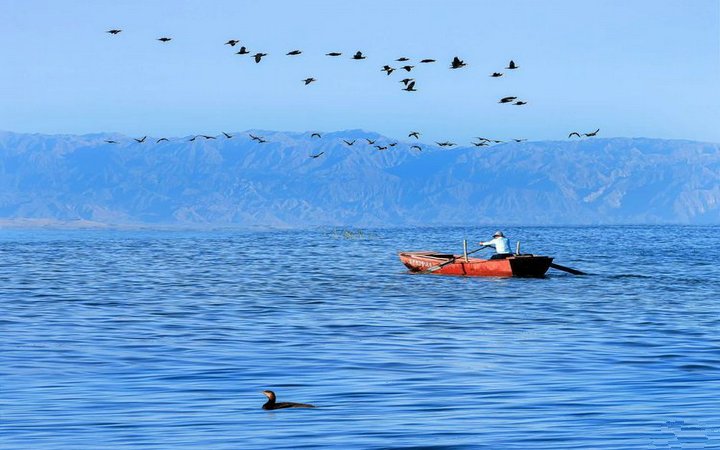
517 265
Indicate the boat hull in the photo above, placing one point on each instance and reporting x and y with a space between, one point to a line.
513 266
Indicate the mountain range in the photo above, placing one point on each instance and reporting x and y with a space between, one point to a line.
81 179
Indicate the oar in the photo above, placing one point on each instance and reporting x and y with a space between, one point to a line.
450 261
567 269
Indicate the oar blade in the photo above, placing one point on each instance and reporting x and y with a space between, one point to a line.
567 269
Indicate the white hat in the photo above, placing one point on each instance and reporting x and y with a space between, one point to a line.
498 234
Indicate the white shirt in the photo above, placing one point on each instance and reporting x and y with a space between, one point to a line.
501 244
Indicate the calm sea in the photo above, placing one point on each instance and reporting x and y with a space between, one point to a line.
163 339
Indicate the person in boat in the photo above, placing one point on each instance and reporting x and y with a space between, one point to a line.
501 245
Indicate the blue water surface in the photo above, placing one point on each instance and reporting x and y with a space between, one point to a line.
164 339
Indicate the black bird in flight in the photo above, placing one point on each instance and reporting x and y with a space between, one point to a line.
192 139
271 404
408 68
293 53
415 134
258 56
392 144
243 51
254 138
113 31
349 142
445 144
110 141
207 137
308 80
141 140
457 63
318 155
594 133
161 139
227 135
520 103
428 60
480 144
512 65
402 59
333 54
358 55
232 42
261 141
405 81
496 74
317 135
370 141
379 147
519 140
387 69
574 133
165 39
410 87
417 147
507 99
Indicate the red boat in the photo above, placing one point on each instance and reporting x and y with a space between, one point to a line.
443 264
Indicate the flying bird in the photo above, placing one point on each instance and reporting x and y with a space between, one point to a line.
507 99
113 31
192 139
392 144
387 69
333 54
574 133
293 53
496 74
512 65
207 137
358 55
445 144
165 39
405 81
349 142
258 56
227 135
370 141
401 59
415 134
261 141
427 60
480 144
416 147
232 42
408 68
317 135
161 139
594 133
110 141
520 103
519 140
254 138
457 63
243 51
410 87
318 155
141 140
379 147
272 404
308 80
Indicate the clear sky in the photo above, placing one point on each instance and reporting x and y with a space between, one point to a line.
631 68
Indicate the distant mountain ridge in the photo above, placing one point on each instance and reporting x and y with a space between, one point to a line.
238 182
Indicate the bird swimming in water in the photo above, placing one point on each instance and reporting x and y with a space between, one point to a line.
243 51
512 65
427 60
165 39
333 54
457 63
415 134
232 42
113 31
496 74
358 55
507 99
272 403
258 56
410 87
308 80
293 53
141 140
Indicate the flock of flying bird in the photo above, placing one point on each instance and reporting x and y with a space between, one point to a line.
409 85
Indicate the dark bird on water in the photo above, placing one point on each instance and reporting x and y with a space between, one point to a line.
258 56
457 63
496 74
162 139
379 147
110 141
402 59
415 134
410 87
308 80
408 68
293 53
227 135
428 60
312 156
387 69
272 403
349 142
141 140
232 42
574 133
317 135
405 81
507 99
416 147
113 31
165 39
243 51
594 133
370 141
333 54
520 103
358 55
512 65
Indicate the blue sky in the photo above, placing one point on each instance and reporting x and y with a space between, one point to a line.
630 68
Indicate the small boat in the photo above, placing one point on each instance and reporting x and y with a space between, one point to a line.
513 266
